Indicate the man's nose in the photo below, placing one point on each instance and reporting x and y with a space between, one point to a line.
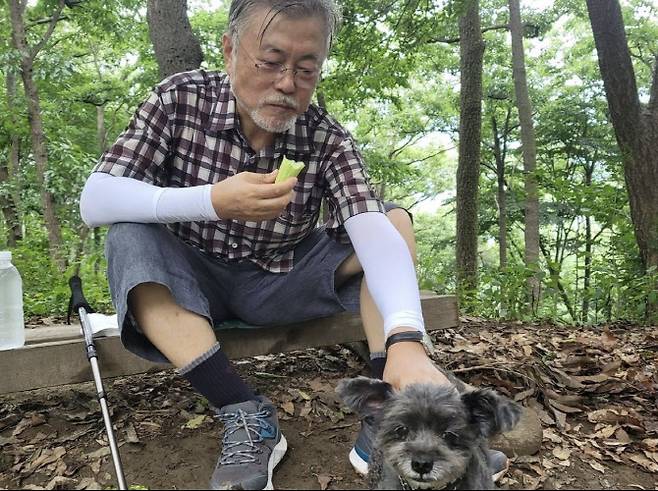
286 82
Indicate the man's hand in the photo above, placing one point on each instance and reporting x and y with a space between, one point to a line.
251 196
408 363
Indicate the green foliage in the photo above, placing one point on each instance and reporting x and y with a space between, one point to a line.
45 290
393 83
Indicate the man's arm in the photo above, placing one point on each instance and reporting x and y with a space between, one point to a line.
108 199
391 277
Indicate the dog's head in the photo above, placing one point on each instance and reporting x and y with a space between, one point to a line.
428 433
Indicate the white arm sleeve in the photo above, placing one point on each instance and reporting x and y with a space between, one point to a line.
389 270
107 199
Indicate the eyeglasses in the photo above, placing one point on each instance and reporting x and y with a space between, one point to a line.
304 78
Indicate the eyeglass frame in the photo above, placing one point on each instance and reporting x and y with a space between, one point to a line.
282 70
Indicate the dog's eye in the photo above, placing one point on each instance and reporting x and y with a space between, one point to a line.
451 438
401 432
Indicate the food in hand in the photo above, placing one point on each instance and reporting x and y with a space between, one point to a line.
289 168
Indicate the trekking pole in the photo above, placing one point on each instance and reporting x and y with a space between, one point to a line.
79 303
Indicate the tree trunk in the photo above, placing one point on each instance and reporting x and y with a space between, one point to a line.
636 129
555 276
499 155
470 128
9 172
175 45
38 137
500 151
589 244
529 148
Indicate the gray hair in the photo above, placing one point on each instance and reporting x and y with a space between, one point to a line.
241 11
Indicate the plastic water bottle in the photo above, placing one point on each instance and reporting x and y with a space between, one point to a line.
12 329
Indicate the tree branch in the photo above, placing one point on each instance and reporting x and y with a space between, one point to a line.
531 31
49 32
45 20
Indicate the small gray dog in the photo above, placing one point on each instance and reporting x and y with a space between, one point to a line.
429 436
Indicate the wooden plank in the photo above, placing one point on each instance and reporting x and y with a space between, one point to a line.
56 356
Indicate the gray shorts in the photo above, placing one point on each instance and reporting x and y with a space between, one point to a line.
219 290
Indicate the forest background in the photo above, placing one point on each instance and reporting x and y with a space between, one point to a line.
523 140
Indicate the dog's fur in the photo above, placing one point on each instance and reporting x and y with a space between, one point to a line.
440 431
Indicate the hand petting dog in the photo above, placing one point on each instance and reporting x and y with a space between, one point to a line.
408 363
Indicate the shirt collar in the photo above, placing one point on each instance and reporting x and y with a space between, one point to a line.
224 117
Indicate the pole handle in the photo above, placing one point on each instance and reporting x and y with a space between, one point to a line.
77 299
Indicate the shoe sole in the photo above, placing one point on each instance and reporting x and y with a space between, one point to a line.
360 465
278 452
496 477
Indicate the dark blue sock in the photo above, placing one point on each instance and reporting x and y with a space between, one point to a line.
213 376
377 366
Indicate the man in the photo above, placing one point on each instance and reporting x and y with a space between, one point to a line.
201 233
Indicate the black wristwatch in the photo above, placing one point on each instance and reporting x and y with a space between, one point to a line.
402 337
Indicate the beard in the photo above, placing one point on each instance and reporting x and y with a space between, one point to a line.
269 123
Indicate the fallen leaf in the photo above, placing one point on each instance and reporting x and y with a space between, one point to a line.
289 408
29 422
596 466
324 481
644 462
622 436
131 434
61 481
99 454
550 435
562 453
650 443
563 408
521 396
195 422
88 483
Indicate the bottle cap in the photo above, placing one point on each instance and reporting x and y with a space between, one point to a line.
5 255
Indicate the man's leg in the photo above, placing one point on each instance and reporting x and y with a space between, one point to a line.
155 316
182 336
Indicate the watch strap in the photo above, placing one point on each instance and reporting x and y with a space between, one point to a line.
401 337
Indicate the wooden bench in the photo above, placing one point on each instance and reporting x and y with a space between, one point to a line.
55 355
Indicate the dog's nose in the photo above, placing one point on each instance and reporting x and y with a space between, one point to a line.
422 466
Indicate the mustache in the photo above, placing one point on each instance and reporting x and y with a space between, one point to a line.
281 100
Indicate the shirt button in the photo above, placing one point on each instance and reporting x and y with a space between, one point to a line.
234 245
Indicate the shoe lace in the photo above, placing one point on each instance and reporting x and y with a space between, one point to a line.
242 450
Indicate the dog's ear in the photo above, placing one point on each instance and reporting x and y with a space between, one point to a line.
491 412
365 396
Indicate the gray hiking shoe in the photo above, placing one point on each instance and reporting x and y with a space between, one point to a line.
252 446
360 453
498 464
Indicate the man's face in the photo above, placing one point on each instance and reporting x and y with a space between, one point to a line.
271 99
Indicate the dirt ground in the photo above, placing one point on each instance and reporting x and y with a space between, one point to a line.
594 389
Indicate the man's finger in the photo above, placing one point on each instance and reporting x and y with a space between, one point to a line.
275 190
273 207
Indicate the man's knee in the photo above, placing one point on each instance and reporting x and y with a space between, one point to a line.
135 242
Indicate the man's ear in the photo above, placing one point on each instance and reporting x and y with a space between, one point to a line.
229 52
491 412
365 396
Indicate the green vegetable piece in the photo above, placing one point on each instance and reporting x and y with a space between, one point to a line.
288 169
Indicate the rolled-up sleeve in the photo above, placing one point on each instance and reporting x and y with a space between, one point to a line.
349 190
143 147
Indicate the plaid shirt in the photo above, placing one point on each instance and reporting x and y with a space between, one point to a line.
187 133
